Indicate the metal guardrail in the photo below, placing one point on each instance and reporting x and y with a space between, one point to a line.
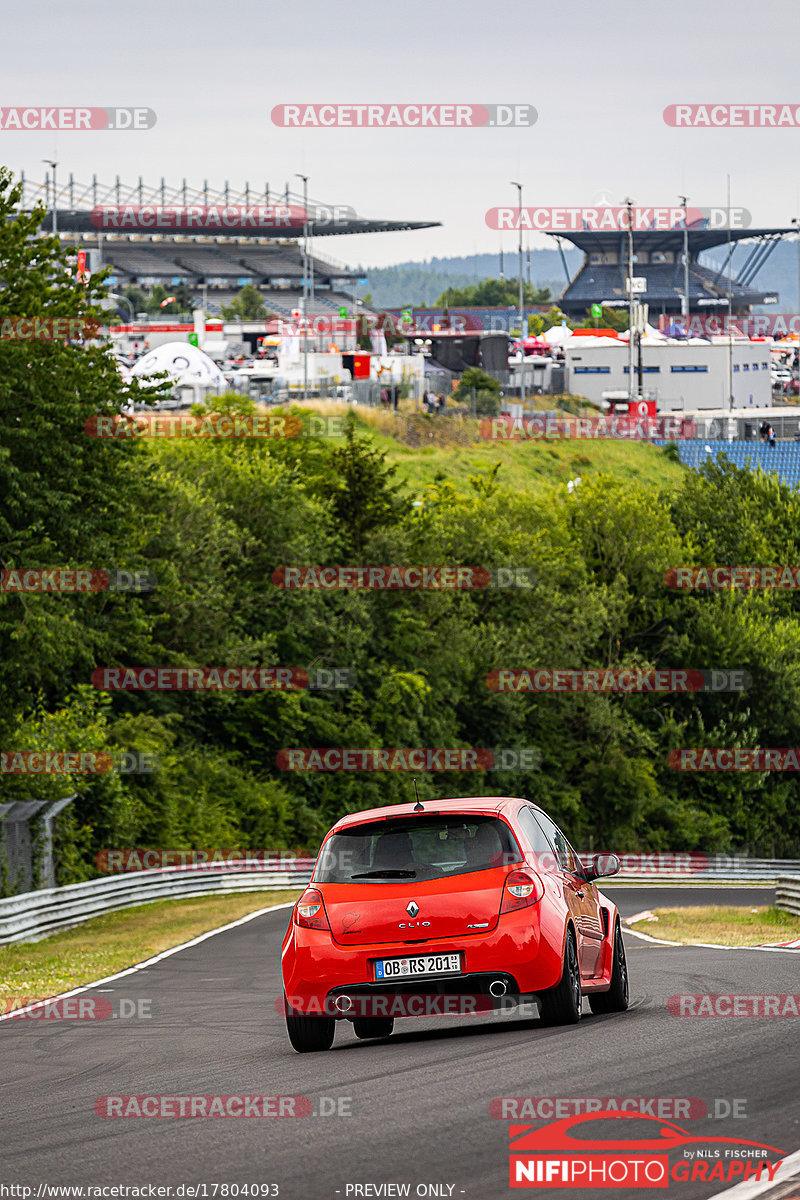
787 894
695 868
33 915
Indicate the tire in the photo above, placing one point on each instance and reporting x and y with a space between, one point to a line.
373 1027
309 1033
561 1005
616 998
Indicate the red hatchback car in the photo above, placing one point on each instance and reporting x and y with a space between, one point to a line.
445 907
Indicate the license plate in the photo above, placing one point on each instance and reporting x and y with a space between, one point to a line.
420 964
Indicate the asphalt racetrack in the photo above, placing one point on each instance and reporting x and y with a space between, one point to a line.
411 1110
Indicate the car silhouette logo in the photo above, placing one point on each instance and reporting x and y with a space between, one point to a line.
412 909
558 1136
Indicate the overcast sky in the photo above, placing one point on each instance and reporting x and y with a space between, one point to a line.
599 75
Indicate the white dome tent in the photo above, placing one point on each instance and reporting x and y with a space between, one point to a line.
189 368
557 334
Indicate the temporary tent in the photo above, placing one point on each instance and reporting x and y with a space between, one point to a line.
184 363
650 335
556 334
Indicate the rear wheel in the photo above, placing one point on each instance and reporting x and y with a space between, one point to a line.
309 1033
373 1027
616 998
561 1005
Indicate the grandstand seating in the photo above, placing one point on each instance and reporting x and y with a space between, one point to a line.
218 268
203 261
283 303
262 263
134 260
664 283
270 263
782 459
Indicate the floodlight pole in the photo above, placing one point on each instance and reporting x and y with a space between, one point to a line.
796 221
685 305
730 317
305 282
629 205
52 164
518 186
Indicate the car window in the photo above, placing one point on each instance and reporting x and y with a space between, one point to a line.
427 847
545 856
566 856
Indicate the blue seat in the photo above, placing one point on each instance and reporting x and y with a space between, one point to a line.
782 459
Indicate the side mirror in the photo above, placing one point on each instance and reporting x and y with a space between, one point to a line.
602 866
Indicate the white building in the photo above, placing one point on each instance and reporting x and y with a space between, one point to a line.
682 376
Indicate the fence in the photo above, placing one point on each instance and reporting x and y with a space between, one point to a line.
787 894
33 915
696 868
744 429
541 378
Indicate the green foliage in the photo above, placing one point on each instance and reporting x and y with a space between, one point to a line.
538 323
493 293
179 296
485 388
612 318
184 301
360 489
213 520
475 378
137 298
247 306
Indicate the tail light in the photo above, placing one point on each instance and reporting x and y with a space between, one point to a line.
521 889
310 910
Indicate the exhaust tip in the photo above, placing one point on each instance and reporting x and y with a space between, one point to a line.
343 1003
498 987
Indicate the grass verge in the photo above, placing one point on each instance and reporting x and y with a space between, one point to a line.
427 448
105 945
723 925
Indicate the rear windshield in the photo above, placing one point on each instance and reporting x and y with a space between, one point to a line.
416 848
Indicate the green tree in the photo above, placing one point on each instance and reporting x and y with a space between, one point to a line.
539 322
70 499
137 298
612 318
157 296
361 489
485 388
493 293
248 305
182 300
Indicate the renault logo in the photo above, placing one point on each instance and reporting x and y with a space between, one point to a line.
412 909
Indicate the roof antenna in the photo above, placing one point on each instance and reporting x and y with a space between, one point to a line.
418 806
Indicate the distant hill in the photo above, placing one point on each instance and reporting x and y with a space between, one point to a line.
418 283
779 273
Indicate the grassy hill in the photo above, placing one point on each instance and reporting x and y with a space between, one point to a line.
426 448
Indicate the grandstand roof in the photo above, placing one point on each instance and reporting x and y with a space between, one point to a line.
78 208
80 221
666 239
604 282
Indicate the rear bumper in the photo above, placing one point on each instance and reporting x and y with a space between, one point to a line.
316 970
